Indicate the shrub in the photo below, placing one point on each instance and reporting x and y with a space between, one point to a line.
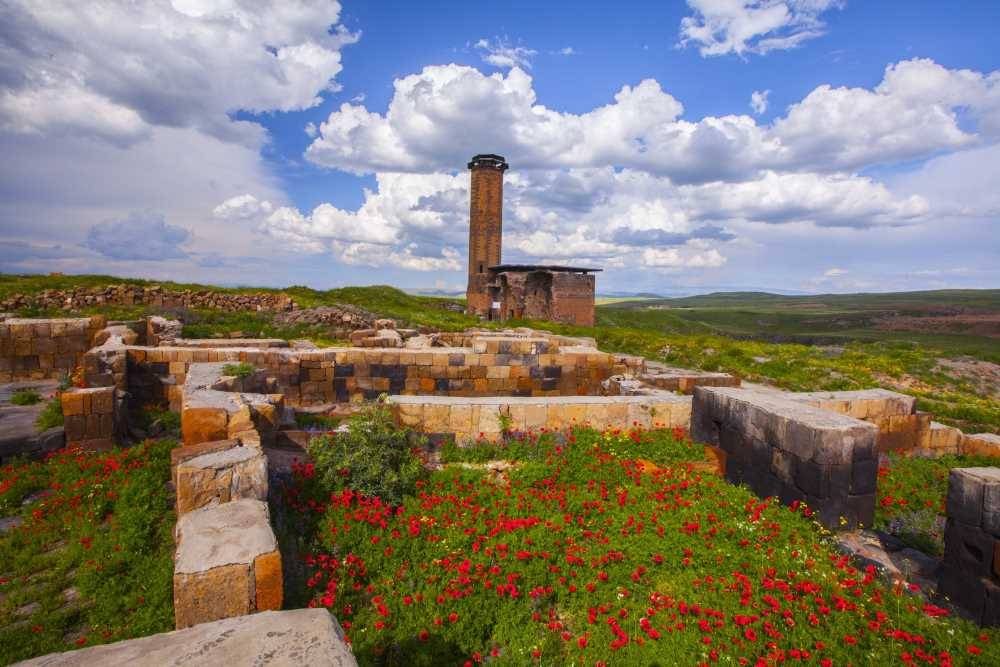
25 397
373 457
240 370
51 415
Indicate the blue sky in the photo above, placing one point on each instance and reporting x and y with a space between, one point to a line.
799 145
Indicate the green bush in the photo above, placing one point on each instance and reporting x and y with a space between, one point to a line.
240 370
51 415
25 397
374 457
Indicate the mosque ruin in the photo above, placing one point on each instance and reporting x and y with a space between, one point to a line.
500 291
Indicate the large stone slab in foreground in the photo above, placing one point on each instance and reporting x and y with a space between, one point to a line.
275 638
792 450
227 563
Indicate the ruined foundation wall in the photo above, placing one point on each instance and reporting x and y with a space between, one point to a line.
345 374
39 349
780 447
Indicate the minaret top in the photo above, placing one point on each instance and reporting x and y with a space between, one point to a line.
488 161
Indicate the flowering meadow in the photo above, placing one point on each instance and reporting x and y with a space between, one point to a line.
911 498
91 560
604 549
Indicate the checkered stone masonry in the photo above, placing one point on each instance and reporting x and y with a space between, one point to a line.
971 574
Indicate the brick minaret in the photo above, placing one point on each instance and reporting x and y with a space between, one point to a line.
485 228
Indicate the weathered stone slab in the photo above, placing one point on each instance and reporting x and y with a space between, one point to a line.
274 638
215 563
220 477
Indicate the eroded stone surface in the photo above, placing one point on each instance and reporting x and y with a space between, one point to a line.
274 638
220 477
236 532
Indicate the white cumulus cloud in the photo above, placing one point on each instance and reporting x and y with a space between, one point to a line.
758 101
718 27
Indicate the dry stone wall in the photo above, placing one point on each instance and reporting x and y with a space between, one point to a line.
470 419
311 377
94 418
153 295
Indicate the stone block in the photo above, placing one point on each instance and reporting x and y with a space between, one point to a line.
968 548
217 548
981 444
181 454
204 424
268 589
221 477
966 487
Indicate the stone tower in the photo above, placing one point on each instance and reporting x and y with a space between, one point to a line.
485 228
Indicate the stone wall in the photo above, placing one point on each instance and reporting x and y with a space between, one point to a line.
38 349
311 377
295 637
902 430
971 573
560 296
797 452
153 295
469 419
227 561
94 418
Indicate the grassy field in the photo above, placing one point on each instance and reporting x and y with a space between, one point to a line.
760 337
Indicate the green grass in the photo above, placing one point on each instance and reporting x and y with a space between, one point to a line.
51 415
911 498
92 561
240 370
25 397
306 420
583 555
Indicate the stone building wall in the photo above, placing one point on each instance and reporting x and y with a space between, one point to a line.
539 294
38 349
